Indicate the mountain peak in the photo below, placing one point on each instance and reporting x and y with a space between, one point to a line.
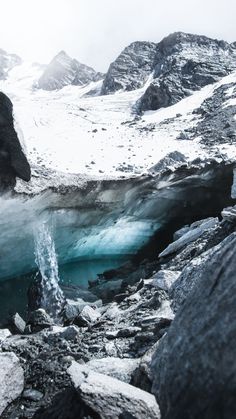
64 70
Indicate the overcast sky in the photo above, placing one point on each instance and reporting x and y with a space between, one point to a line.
95 31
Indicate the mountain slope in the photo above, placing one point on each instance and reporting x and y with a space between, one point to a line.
7 62
64 70
178 65
131 69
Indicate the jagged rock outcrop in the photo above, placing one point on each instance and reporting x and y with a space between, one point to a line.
13 162
193 369
7 62
180 64
185 63
64 70
131 69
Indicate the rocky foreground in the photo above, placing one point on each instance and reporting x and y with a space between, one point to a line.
163 347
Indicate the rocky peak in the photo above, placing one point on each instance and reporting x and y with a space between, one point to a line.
180 64
131 69
64 70
185 63
181 39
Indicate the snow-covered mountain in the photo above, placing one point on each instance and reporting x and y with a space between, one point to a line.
140 170
178 65
74 138
64 70
7 62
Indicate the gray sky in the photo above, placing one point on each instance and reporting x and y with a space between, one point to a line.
95 31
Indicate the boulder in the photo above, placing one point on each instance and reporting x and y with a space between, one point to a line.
193 367
74 307
164 279
87 316
12 379
111 398
120 368
32 394
190 236
39 320
17 324
4 334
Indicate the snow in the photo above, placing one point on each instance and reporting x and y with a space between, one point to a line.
70 131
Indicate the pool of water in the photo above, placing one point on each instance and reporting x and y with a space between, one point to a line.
13 292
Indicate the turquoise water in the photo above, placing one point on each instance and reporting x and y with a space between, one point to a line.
13 292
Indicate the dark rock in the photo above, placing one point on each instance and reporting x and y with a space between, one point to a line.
17 324
42 296
67 405
39 320
131 69
193 368
128 332
13 162
176 74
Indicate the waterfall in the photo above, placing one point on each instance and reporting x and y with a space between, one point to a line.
51 295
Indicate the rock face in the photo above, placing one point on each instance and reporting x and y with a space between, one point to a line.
7 62
64 70
185 63
131 69
179 64
12 379
13 162
193 368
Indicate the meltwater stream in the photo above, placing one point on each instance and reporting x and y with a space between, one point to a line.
51 297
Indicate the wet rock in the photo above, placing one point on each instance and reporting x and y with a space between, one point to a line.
12 379
73 308
193 369
111 398
39 320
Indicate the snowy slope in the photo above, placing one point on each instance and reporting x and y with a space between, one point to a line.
99 135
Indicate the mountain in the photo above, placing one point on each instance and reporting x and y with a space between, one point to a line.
7 62
178 65
131 69
150 194
63 71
